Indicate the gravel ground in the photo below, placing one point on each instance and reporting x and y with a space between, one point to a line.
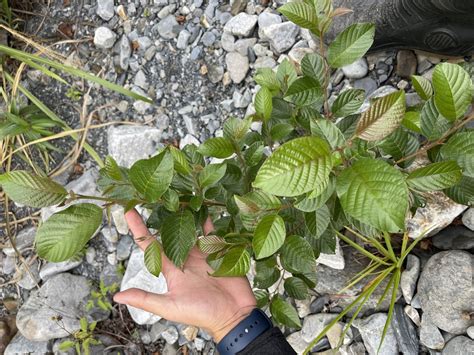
195 59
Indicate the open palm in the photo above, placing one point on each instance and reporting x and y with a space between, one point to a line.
215 304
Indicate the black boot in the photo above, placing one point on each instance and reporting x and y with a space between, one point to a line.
439 26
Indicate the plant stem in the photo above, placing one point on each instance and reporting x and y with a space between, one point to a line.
326 75
440 141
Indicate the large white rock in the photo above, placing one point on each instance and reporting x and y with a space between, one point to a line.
55 309
127 144
438 213
137 276
20 345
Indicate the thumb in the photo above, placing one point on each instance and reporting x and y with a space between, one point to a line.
160 305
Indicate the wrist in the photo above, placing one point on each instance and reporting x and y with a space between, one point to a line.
244 333
221 332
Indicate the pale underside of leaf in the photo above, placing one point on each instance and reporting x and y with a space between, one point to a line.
31 190
382 118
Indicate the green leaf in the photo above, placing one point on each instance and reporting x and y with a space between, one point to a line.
153 258
32 190
304 91
254 154
219 147
412 122
399 144
266 273
460 148
112 169
236 129
178 234
452 86
301 14
280 131
282 110
66 345
236 262
181 164
262 298
375 193
286 73
284 313
152 177
267 78
297 255
314 66
209 244
463 192
382 118
423 87
327 130
211 174
296 167
269 236
432 124
171 200
326 243
351 44
318 221
348 102
437 176
296 288
263 103
66 233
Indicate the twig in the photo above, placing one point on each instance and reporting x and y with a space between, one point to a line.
440 141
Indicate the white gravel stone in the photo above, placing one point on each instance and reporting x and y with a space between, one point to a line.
241 25
104 38
23 241
282 36
314 324
183 39
410 277
50 269
430 335
356 70
166 27
105 9
266 19
237 65
371 329
468 218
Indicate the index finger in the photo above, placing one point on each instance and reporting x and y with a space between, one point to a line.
141 234
143 237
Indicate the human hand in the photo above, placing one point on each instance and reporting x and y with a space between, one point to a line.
216 304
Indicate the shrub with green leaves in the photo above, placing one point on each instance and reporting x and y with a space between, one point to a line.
281 195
